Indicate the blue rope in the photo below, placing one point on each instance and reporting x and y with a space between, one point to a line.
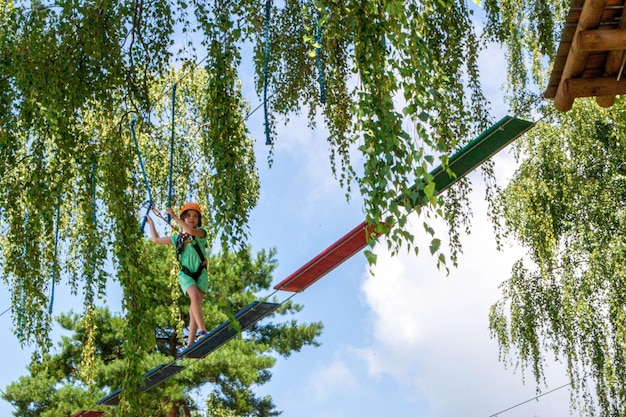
320 69
143 170
169 188
56 245
25 227
93 196
24 253
268 7
92 268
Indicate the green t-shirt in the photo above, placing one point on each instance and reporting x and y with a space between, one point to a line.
189 257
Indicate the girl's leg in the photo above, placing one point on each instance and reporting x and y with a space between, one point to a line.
193 328
196 318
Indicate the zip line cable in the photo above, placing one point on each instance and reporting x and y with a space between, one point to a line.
183 76
535 397
259 106
4 395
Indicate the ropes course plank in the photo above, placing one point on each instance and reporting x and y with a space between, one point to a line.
151 379
329 259
224 332
88 413
246 317
483 147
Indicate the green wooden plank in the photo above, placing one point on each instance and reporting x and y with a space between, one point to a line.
476 152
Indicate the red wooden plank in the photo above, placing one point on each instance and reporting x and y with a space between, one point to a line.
329 259
88 413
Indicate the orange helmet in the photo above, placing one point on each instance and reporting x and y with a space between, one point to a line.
190 206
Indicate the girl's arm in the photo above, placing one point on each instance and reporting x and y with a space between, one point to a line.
188 229
155 236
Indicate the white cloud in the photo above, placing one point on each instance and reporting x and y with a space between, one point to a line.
335 378
430 331
415 307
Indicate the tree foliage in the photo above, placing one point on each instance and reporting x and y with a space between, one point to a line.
59 384
529 31
566 299
402 88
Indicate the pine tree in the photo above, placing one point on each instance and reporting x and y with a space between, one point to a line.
62 382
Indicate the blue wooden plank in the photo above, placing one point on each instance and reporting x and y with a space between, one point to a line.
160 374
151 378
111 399
216 338
224 332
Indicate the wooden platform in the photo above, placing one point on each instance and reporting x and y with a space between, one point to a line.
590 60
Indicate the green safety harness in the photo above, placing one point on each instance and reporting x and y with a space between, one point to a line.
180 246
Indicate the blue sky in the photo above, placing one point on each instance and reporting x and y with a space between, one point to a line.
408 341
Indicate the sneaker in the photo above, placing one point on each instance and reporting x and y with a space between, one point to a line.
201 334
180 350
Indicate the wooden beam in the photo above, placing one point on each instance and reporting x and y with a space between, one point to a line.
589 19
600 40
613 67
594 87
605 101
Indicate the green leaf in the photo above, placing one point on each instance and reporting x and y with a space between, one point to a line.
434 246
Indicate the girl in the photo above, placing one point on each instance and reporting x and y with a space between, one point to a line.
190 247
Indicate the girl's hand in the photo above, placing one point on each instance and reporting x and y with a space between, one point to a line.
149 220
170 212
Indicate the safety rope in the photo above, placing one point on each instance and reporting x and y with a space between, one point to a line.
320 69
143 170
169 179
268 7
162 217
